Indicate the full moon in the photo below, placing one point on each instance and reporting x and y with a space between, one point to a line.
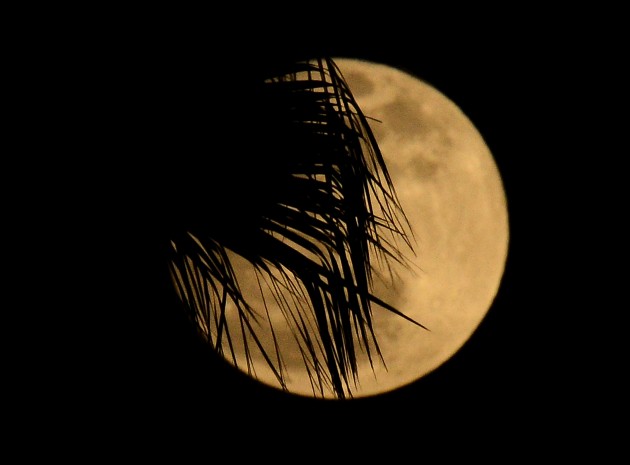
451 190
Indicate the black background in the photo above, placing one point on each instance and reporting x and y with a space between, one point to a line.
125 356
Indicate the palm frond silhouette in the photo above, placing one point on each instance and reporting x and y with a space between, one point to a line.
317 208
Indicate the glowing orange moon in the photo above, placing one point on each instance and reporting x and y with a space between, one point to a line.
452 193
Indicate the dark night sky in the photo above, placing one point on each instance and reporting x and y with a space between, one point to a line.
134 361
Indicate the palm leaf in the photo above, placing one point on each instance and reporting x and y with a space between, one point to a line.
323 208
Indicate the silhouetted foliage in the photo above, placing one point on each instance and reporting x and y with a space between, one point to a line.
309 205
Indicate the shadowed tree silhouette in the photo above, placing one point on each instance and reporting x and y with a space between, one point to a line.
313 208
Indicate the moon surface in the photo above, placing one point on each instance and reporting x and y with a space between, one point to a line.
452 193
